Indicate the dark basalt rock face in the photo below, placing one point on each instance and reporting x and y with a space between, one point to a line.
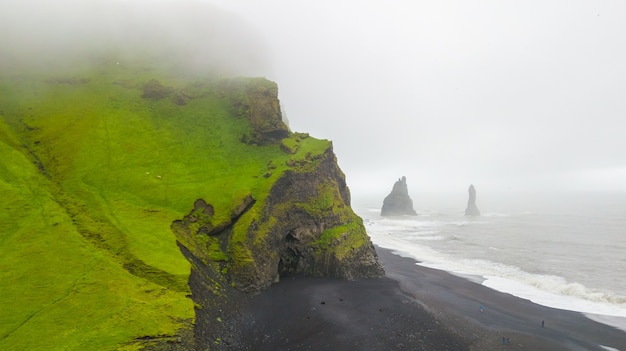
300 224
471 209
304 227
300 232
398 202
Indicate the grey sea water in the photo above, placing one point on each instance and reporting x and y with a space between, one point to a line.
563 250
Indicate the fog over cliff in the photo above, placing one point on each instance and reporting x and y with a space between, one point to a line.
194 36
507 95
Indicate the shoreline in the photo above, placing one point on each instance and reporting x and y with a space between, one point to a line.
611 320
411 308
452 297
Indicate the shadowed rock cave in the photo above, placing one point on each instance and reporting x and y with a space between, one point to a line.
291 257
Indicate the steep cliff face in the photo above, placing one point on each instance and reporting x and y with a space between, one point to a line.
306 227
320 235
303 225
135 187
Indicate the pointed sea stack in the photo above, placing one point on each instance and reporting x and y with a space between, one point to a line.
398 202
471 209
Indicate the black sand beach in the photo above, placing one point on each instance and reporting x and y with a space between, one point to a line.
412 308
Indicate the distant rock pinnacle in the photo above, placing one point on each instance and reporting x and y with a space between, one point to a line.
398 202
471 209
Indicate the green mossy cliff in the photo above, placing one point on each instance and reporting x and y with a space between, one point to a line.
137 204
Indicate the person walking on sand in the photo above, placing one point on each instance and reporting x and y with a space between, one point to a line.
542 322
482 309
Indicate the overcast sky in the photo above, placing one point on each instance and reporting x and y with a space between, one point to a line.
507 95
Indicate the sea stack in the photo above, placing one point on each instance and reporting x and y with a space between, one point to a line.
398 202
471 209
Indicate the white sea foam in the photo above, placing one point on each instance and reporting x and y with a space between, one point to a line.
402 248
551 291
526 254
609 348
496 214
429 238
547 290
572 296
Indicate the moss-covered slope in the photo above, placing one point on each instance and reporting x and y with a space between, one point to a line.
103 171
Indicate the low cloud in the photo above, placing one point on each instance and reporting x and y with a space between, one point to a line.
194 36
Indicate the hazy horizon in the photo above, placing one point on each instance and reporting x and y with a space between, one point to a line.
509 96
506 95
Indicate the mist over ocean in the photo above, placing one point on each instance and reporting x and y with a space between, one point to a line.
563 250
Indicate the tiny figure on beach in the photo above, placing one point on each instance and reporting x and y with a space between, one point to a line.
508 341
542 322
482 309
503 340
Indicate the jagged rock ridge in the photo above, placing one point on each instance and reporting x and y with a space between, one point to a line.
471 209
398 202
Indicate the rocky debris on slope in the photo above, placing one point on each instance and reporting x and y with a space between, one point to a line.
471 209
398 202
155 90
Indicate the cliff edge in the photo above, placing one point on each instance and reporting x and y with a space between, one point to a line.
155 203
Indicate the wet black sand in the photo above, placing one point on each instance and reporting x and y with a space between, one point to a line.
412 308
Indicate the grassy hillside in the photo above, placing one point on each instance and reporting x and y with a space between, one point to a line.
92 175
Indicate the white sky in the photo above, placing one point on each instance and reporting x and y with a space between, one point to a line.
507 95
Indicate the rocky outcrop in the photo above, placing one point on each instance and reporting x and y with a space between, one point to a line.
155 90
242 215
471 209
305 226
316 233
257 100
398 202
300 223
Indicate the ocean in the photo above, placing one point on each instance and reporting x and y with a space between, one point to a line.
562 250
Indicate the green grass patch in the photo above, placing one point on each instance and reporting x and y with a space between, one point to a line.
324 203
343 239
58 292
290 145
91 177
